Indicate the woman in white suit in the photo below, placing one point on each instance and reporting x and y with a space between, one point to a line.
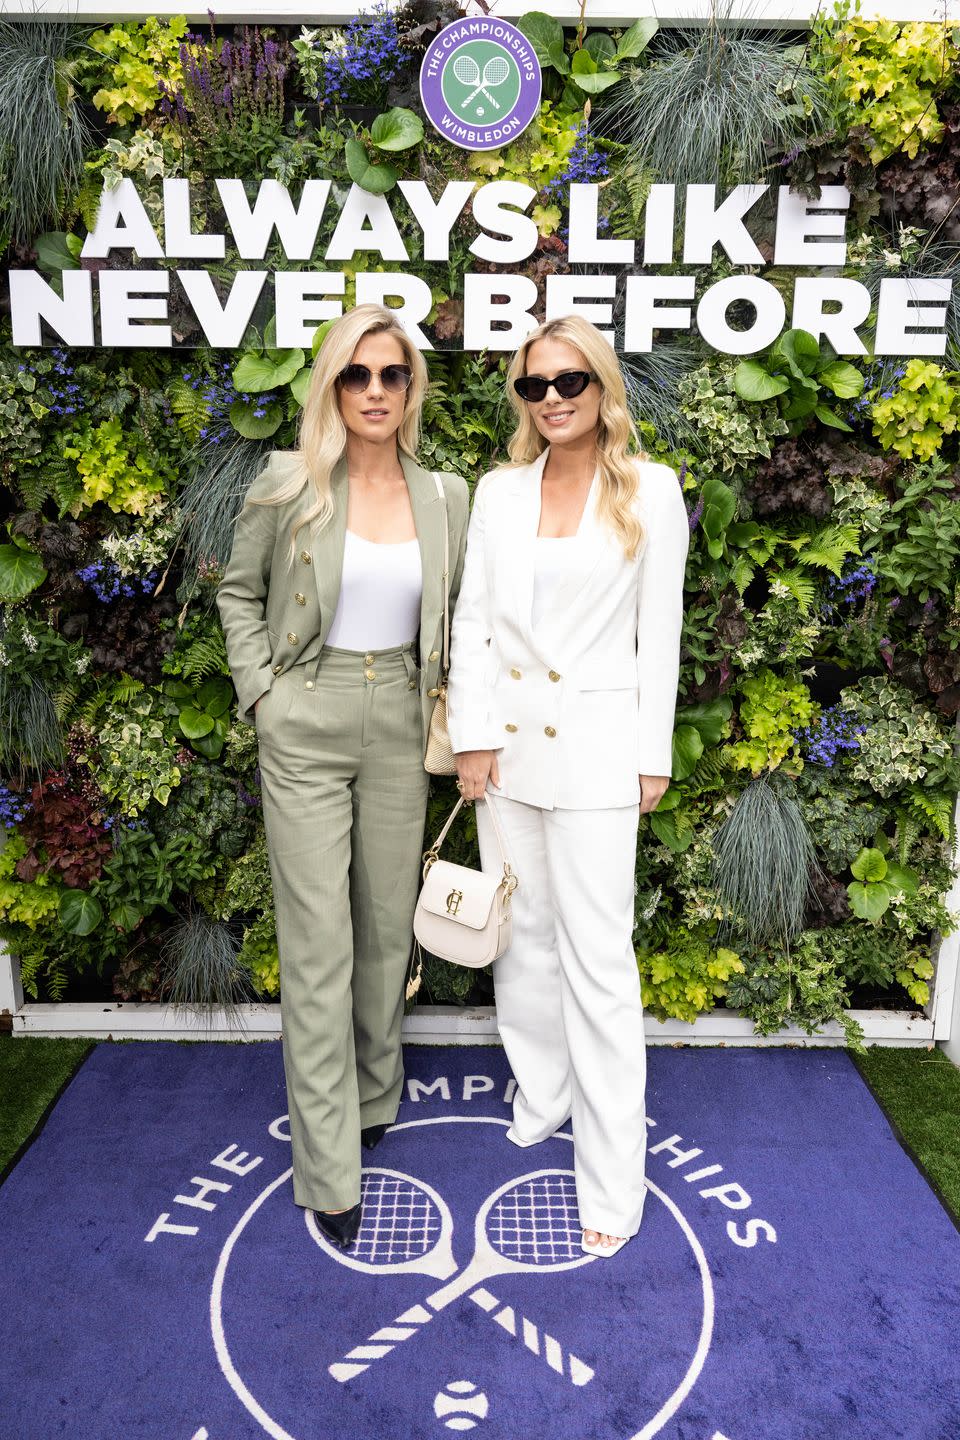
563 686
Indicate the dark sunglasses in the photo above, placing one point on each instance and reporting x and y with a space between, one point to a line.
567 385
356 378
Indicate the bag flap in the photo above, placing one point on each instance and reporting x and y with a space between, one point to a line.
458 893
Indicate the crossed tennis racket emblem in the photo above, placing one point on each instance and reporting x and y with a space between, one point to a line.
495 72
527 1225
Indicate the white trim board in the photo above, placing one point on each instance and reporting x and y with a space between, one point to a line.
437 1024
763 14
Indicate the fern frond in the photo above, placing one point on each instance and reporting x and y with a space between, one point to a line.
908 833
206 656
188 405
934 809
829 547
33 486
65 700
801 587
742 573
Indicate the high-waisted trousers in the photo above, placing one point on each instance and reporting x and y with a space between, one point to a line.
569 1008
344 797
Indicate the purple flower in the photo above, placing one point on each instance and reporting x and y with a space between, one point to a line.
835 731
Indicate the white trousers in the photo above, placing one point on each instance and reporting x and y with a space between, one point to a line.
568 997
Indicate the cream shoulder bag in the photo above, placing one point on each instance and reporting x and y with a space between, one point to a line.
438 759
463 915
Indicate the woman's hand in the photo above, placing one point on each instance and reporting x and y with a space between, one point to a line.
652 790
475 767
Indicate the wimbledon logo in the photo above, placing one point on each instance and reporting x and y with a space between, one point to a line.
480 83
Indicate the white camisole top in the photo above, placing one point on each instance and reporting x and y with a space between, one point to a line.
553 558
380 594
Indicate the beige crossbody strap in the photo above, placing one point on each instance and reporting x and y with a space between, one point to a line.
446 586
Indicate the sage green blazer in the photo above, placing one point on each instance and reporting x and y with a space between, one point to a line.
277 610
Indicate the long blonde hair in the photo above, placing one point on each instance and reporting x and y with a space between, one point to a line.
322 436
618 445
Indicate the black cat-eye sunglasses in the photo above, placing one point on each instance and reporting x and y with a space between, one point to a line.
567 385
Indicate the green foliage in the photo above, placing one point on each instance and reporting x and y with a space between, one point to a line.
109 470
917 541
202 713
805 986
916 417
142 876
33 903
594 65
260 955
771 710
764 860
795 372
687 978
135 53
134 755
876 881
889 74
730 432
903 741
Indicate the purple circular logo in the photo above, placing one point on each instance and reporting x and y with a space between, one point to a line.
480 83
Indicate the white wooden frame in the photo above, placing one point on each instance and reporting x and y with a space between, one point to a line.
765 14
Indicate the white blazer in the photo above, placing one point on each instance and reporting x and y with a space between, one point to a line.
582 706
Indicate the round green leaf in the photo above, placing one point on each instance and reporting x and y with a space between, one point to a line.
595 84
709 719
78 912
398 129
375 179
209 746
126 915
901 877
600 46
544 33
300 383
20 572
54 252
195 723
215 695
687 749
843 379
752 382
826 417
868 902
245 421
869 865
253 373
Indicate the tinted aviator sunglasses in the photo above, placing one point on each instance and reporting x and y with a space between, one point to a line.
356 378
567 385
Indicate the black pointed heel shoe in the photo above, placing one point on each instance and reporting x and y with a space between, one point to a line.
371 1136
340 1227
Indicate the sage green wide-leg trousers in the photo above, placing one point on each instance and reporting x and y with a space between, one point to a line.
344 797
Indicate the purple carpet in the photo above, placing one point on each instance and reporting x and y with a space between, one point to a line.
795 1278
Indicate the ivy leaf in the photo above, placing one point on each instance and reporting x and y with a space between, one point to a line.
79 913
20 572
752 382
375 179
245 421
398 129
637 38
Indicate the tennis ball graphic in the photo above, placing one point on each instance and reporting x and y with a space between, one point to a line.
460 1401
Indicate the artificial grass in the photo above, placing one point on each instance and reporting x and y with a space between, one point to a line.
32 1074
919 1091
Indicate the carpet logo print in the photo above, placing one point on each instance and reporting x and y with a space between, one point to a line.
473 1246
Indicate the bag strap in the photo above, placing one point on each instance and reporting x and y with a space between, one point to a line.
433 854
446 586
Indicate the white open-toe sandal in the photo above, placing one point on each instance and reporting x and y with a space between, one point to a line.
605 1251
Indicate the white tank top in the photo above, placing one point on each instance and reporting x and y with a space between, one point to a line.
380 593
553 557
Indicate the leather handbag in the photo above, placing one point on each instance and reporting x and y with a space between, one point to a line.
464 915
438 759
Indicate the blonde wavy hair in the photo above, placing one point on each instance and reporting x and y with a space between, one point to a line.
618 445
322 436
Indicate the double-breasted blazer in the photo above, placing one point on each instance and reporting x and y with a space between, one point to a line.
277 610
582 704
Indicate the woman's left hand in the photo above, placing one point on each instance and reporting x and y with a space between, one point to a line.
652 790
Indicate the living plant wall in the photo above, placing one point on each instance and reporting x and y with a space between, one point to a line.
799 862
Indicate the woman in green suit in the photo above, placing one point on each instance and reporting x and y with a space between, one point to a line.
332 606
